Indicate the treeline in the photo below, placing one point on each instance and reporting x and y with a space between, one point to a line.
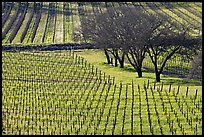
130 32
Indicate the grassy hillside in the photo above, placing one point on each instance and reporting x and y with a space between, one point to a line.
60 21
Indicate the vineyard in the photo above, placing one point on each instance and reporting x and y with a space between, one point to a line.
61 93
48 88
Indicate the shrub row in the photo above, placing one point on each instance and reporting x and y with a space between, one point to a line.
11 22
19 23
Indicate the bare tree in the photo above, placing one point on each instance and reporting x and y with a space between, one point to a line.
165 41
117 31
90 31
108 31
130 32
139 25
196 68
111 31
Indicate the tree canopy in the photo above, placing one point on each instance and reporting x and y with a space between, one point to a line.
131 32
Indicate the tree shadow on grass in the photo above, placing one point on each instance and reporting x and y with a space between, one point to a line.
129 69
173 71
166 79
183 78
188 82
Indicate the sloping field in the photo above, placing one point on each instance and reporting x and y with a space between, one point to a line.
47 89
59 22
57 92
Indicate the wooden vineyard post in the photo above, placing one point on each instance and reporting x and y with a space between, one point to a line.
117 109
85 63
140 110
100 74
125 109
186 91
178 90
92 68
154 84
169 88
114 121
148 110
162 86
82 61
173 131
187 116
96 71
196 129
109 109
79 60
76 59
155 107
89 66
108 78
147 83
196 94
132 121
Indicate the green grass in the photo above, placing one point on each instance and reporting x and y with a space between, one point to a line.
127 74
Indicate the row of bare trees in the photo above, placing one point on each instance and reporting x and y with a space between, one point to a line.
132 33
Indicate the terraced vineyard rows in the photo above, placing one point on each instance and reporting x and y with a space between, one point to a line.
19 23
7 31
45 93
6 12
28 32
67 23
26 23
50 27
59 26
63 19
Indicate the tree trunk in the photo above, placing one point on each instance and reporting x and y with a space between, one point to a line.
116 62
107 56
122 62
157 76
139 72
111 61
157 71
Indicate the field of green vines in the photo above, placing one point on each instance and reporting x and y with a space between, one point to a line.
72 92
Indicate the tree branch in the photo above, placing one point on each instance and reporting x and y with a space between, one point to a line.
167 58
